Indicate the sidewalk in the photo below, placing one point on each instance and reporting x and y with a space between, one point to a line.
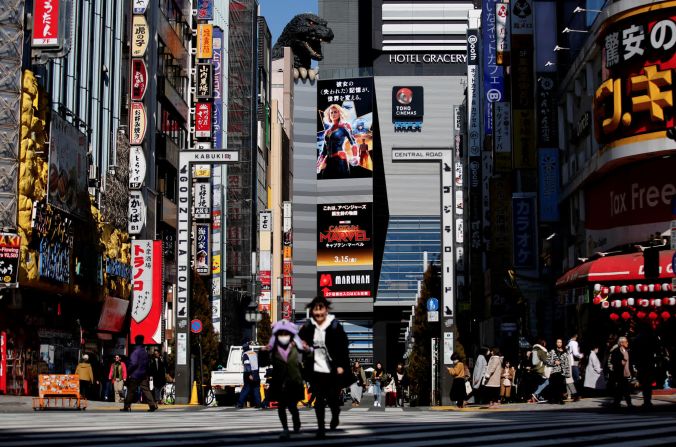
20 404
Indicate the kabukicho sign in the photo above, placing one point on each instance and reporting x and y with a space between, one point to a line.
138 123
635 96
140 36
139 79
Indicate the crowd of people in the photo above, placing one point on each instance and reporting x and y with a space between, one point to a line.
563 373
141 373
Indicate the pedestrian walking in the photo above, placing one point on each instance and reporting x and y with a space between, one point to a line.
646 355
559 361
286 381
84 370
621 373
571 387
573 348
357 387
377 380
457 372
138 376
250 377
117 376
158 373
478 374
540 369
492 378
400 378
507 381
327 367
594 379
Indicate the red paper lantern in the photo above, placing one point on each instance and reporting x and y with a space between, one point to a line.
626 315
624 303
631 288
666 315
597 300
605 304
658 287
614 316
640 314
605 291
639 287
652 316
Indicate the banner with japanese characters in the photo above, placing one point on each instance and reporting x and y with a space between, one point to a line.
204 81
634 100
202 249
138 123
493 74
202 200
205 34
139 79
10 244
147 290
345 128
344 235
345 284
203 119
140 36
524 223
205 9
45 23
137 167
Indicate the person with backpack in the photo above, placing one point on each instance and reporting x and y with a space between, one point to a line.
327 368
540 369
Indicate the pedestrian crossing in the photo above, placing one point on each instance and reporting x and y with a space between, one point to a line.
392 427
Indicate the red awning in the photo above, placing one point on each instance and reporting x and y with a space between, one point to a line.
614 268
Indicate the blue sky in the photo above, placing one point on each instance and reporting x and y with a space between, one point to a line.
279 12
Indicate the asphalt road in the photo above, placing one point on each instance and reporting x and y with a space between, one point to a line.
541 426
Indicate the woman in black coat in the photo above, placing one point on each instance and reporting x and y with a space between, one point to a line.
327 368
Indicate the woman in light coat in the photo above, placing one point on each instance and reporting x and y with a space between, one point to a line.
492 378
594 380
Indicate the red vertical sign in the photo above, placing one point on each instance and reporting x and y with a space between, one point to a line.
147 300
3 362
45 23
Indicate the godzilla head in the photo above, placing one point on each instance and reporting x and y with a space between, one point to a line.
304 34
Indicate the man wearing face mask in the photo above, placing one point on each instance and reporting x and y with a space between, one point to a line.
251 377
327 368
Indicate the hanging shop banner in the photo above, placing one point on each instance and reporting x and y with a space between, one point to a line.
344 234
473 104
113 314
493 74
548 180
503 37
218 88
408 108
68 167
139 79
46 23
522 17
146 311
502 137
140 36
350 284
205 9
203 120
524 222
3 362
634 101
137 123
10 244
140 6
202 249
136 216
546 108
202 200
205 34
501 216
345 128
204 73
137 167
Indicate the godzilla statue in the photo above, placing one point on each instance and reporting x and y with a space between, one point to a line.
304 34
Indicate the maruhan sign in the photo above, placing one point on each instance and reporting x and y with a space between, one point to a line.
417 155
428 58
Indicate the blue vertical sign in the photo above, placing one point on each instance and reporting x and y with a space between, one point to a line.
205 9
493 74
548 180
525 231
218 88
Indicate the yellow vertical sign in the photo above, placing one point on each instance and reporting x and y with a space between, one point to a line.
205 41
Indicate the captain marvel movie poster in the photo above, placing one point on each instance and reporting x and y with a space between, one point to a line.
344 235
344 128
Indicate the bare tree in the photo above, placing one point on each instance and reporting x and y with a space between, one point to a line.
115 196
